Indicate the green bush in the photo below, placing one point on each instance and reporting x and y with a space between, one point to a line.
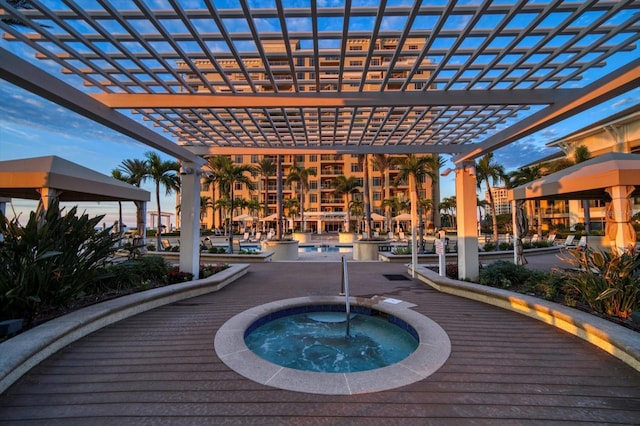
504 274
489 246
132 274
49 263
606 282
402 250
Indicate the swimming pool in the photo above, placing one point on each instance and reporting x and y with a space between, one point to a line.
324 249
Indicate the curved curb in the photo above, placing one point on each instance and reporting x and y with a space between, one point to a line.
28 349
614 339
432 352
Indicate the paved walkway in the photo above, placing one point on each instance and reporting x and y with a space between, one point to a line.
159 367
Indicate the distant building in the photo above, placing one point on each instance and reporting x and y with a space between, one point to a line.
500 199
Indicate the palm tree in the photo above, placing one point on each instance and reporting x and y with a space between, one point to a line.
162 173
415 170
435 163
383 163
301 176
212 170
345 186
292 205
367 194
581 154
117 174
227 178
356 207
266 168
205 204
132 172
522 176
448 204
488 171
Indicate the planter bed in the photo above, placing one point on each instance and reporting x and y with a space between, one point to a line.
174 257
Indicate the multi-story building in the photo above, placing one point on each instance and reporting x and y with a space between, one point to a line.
298 68
618 133
500 199
324 209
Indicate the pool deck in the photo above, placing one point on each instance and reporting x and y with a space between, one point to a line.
160 367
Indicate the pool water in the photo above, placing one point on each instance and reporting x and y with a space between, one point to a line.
325 249
317 341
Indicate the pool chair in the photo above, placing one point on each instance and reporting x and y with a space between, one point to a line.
569 240
402 237
245 238
166 245
391 236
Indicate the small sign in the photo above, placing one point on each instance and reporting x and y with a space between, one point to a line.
439 244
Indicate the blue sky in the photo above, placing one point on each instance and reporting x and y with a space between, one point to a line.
31 126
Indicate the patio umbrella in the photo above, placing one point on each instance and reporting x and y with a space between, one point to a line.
377 217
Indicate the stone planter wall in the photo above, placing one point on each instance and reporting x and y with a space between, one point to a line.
302 237
282 250
346 237
367 250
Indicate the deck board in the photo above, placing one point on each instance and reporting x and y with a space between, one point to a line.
159 367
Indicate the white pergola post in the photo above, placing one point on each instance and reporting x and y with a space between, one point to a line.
618 228
466 205
190 218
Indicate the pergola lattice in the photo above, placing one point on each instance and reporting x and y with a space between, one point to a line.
391 76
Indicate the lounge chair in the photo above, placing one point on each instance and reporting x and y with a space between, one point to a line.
402 238
391 236
256 238
166 245
245 238
569 240
551 238
535 238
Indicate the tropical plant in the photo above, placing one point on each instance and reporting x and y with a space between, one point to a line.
162 173
448 207
366 189
383 163
346 187
292 207
415 170
212 170
228 176
266 168
132 172
356 208
523 176
50 263
300 175
489 172
608 283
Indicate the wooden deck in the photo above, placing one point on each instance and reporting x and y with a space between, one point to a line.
159 367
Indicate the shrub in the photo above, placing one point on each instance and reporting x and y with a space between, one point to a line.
132 274
489 246
504 246
49 263
402 250
504 274
175 275
211 269
606 282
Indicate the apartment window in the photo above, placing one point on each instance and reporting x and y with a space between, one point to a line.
377 181
313 198
313 184
355 63
413 47
237 186
300 159
238 159
353 48
255 159
313 158
377 196
356 167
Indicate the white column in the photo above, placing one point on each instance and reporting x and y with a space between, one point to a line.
190 219
618 227
414 223
466 209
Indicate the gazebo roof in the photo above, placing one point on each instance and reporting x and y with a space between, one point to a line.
585 181
25 177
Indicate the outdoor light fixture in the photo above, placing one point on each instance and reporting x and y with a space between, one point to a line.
186 171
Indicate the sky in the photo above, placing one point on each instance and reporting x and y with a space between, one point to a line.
31 126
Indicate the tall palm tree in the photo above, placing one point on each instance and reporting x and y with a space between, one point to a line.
266 168
356 207
522 176
383 163
581 154
488 171
228 177
367 194
300 175
345 187
448 205
162 173
117 174
292 206
435 163
132 171
415 170
212 169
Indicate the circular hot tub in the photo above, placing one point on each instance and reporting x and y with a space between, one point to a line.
325 366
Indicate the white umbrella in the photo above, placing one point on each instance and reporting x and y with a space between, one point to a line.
404 217
377 217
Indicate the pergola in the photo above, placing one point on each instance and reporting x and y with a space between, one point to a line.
385 77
